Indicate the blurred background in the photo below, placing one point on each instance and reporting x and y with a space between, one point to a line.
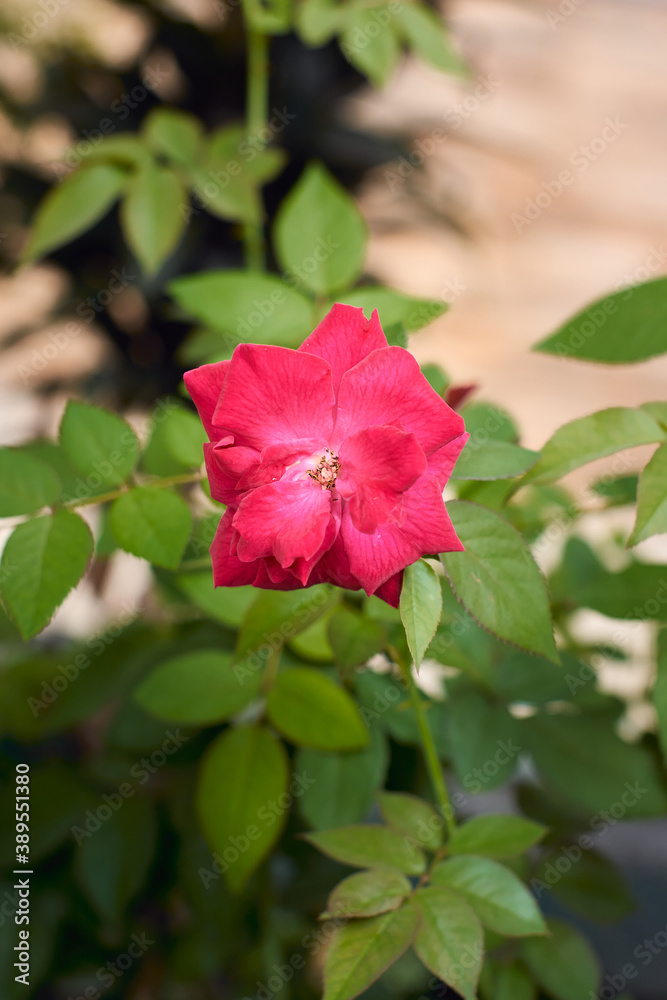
516 196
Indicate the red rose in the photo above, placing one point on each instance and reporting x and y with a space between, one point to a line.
331 459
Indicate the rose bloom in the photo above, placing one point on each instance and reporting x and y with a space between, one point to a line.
331 460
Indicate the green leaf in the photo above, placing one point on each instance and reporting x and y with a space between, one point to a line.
486 422
592 769
257 308
242 777
651 499
450 939
365 894
312 710
588 883
74 206
319 234
485 741
175 134
412 817
26 483
425 32
514 983
154 215
176 441
496 895
276 616
41 562
437 377
420 607
98 443
152 523
563 964
591 437
126 149
361 951
369 42
227 605
493 460
628 326
495 836
366 846
343 784
353 637
395 307
497 579
196 688
112 863
313 643
317 21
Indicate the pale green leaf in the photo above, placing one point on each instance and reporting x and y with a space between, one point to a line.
26 483
420 607
496 837
154 213
395 307
651 499
152 523
100 445
175 134
365 894
413 818
450 939
369 846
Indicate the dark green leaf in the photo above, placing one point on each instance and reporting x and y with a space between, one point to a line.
592 769
196 688
343 784
366 846
599 434
495 836
395 307
74 206
420 606
112 862
563 963
497 579
413 818
365 894
26 483
319 234
98 443
276 616
514 983
496 895
152 523
313 643
651 499
354 638
41 562
258 308
312 710
360 951
154 215
628 326
243 775
449 940
587 883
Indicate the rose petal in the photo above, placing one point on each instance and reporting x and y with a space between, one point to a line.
273 395
344 338
386 387
377 465
205 385
425 528
442 462
287 519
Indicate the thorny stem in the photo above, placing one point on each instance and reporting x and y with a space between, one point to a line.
257 99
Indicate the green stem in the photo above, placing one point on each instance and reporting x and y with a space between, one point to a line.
190 477
257 103
433 766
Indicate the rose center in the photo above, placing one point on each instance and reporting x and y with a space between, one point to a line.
326 470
